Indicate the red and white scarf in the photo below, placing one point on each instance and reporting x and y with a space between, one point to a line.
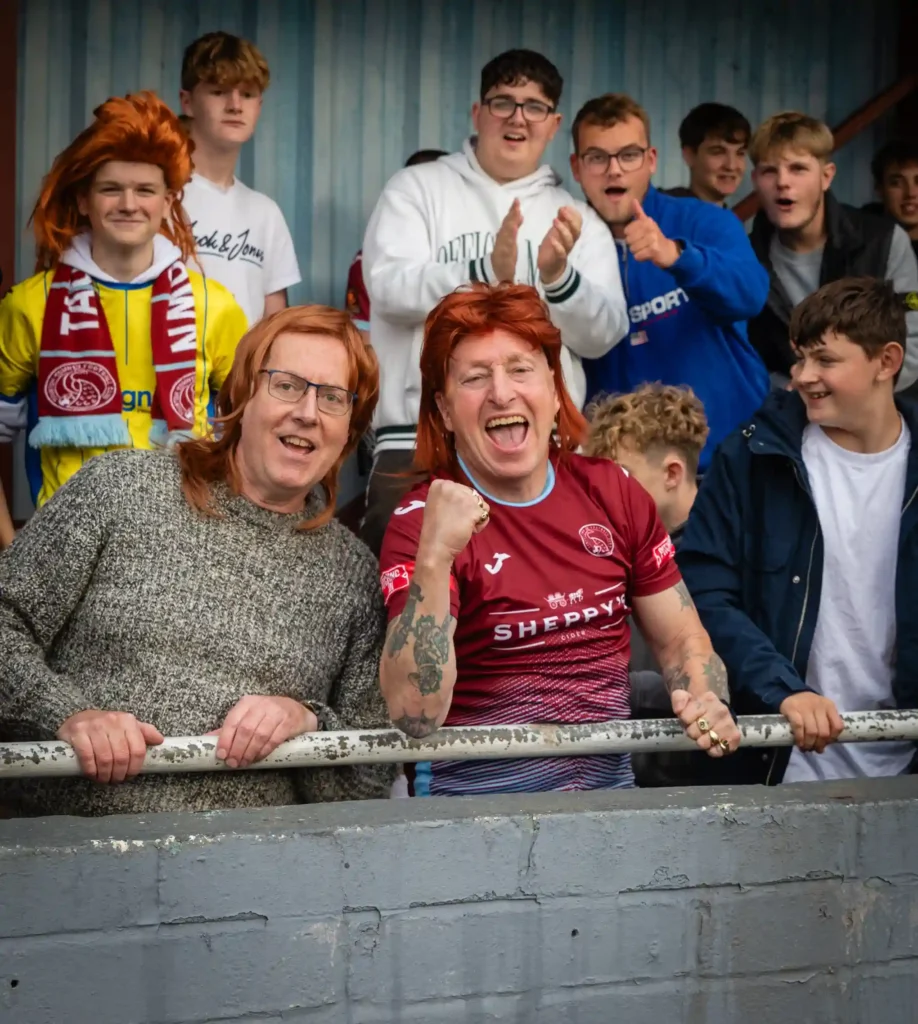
79 394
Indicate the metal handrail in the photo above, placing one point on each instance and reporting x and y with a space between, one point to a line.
49 759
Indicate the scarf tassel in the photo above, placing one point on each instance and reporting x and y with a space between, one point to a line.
162 437
107 430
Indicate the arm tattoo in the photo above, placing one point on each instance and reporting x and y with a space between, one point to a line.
402 628
684 596
431 643
715 672
417 727
431 653
676 678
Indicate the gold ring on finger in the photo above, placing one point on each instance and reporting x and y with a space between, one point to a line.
702 724
485 511
724 746
714 737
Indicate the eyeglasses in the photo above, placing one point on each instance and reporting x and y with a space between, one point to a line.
631 158
288 387
504 107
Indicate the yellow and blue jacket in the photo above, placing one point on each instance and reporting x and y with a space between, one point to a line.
221 324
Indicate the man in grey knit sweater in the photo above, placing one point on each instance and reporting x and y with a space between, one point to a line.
149 597
119 596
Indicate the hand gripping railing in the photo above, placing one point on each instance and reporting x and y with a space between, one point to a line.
483 742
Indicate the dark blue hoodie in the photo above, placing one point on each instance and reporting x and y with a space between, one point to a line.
688 323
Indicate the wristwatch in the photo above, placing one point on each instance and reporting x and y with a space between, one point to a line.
317 711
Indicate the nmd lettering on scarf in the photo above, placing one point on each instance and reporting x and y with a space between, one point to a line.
79 394
175 372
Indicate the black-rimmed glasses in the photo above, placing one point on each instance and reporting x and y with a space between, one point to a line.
504 107
631 158
288 387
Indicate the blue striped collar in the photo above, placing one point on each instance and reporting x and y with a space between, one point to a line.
546 490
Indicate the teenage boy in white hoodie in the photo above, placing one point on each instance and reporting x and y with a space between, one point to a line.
492 212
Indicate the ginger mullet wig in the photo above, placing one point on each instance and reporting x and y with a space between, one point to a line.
473 311
138 128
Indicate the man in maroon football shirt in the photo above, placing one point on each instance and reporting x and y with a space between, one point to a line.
510 572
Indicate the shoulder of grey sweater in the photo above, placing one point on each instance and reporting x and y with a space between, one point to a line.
100 482
356 566
132 479
351 550
133 467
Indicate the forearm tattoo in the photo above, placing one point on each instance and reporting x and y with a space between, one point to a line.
715 672
431 642
676 678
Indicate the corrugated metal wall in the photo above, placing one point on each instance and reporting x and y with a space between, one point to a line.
360 84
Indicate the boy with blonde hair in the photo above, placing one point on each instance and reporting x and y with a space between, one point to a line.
806 238
241 236
656 434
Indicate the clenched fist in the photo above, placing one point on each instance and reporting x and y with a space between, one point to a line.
557 244
647 242
503 256
452 513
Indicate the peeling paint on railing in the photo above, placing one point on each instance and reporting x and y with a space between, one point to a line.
199 753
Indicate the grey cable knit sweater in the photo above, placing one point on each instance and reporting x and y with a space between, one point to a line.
118 595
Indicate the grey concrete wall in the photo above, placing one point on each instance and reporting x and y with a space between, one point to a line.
692 907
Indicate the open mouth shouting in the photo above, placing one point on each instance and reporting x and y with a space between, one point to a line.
616 192
785 204
301 446
508 432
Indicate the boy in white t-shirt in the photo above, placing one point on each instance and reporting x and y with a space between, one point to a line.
801 551
241 236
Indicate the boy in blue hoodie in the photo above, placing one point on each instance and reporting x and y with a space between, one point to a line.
690 276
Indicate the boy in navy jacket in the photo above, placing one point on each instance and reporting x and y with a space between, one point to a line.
801 550
690 276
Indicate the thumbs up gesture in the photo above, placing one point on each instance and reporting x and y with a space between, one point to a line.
647 242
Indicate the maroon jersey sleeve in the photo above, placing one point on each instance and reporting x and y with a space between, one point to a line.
399 550
653 557
358 301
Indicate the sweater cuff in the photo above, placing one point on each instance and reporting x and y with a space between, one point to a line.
52 712
565 287
483 270
778 690
690 262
